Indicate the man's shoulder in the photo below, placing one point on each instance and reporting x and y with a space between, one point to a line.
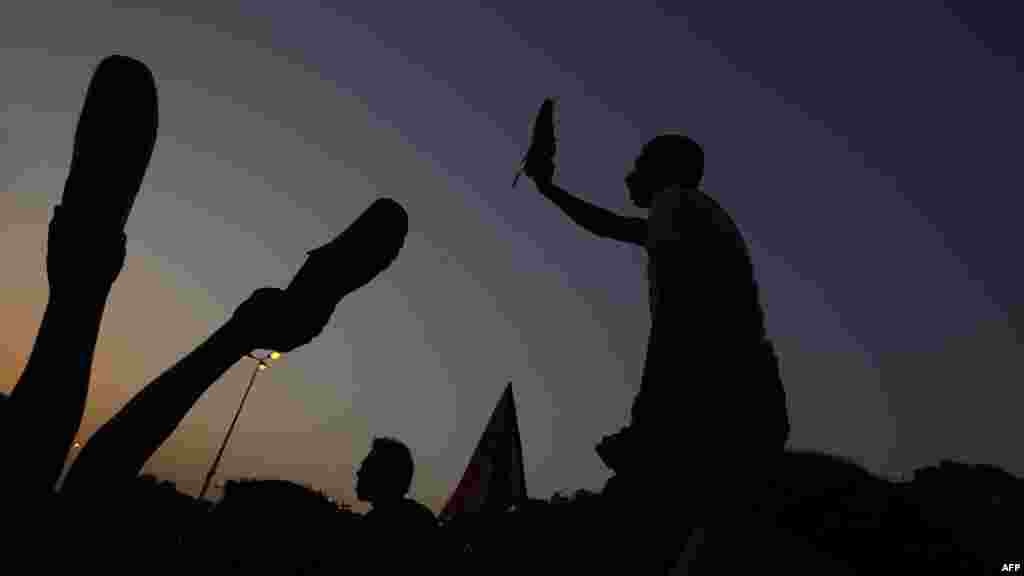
414 508
680 213
700 198
718 216
406 512
677 203
413 503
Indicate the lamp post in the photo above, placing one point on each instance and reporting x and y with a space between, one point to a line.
72 453
261 365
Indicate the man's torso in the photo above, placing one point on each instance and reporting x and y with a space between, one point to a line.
696 250
708 348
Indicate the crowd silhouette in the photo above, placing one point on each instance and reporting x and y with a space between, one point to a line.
702 480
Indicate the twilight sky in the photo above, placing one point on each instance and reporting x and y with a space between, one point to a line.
867 150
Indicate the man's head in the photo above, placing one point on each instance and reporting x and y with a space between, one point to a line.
386 473
667 160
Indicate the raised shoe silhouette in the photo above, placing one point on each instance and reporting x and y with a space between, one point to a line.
351 260
113 142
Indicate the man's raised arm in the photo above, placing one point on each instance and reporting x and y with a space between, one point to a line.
120 448
539 166
597 220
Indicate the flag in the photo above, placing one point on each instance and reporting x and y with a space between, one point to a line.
494 478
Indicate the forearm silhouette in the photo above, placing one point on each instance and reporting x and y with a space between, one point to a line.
271 319
596 220
120 448
84 255
539 166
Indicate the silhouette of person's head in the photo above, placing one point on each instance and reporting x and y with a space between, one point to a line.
667 160
385 475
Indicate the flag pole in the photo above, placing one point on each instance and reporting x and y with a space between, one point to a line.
519 444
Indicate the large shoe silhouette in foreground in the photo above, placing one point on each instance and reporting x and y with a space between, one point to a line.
114 142
348 262
85 253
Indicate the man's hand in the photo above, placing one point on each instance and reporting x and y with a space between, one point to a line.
271 320
540 169
82 261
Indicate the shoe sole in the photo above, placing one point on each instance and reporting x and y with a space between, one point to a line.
114 141
352 259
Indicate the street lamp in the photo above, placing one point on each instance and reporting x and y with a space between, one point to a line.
261 365
76 445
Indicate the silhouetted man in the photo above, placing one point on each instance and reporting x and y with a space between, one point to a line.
710 396
399 529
